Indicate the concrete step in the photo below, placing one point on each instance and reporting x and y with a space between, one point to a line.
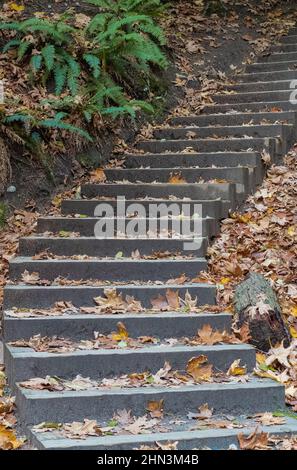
214 439
253 97
213 208
290 39
25 363
82 326
240 175
109 247
236 119
255 87
271 66
86 227
279 57
288 47
207 191
250 107
262 76
217 159
112 270
39 406
207 145
263 130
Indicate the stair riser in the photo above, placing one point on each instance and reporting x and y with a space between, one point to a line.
211 439
261 76
215 145
99 365
235 131
279 57
234 175
198 191
87 227
111 271
261 86
251 97
77 407
234 119
271 66
208 208
103 248
164 325
247 107
246 159
291 39
288 48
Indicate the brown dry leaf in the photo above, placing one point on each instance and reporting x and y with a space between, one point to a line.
172 299
77 430
167 445
179 281
199 369
98 176
8 439
156 408
267 419
254 441
236 369
30 278
204 413
140 425
210 337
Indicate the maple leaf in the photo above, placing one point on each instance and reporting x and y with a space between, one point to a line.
208 336
279 354
77 430
199 369
267 419
8 439
254 441
30 278
140 425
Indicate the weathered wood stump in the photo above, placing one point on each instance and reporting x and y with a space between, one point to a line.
256 304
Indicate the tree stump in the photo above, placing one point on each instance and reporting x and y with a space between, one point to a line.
256 304
5 168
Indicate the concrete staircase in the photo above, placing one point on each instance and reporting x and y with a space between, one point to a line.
217 157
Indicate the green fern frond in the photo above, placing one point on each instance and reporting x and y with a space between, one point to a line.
48 53
94 63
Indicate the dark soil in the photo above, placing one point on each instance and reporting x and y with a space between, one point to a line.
223 53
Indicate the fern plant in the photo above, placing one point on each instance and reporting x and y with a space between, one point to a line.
49 46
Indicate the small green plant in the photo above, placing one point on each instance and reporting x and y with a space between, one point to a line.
88 70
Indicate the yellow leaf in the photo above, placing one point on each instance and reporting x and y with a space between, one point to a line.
236 369
122 333
225 280
293 332
199 369
15 7
8 439
291 231
294 311
260 358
